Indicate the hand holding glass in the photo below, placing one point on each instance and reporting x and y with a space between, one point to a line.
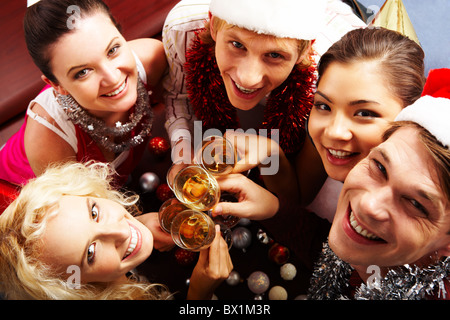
194 187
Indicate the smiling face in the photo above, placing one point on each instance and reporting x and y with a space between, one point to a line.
352 108
391 210
96 66
97 235
251 64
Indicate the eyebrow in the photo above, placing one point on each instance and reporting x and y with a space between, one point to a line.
278 48
422 193
352 103
84 65
323 95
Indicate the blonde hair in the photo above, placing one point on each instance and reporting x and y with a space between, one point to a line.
22 273
219 24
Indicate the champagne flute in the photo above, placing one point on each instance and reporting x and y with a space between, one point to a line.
168 210
217 155
192 230
195 188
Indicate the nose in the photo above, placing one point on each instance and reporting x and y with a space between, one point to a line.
339 128
250 72
110 74
376 203
116 232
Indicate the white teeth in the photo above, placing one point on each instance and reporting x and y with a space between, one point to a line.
117 91
133 243
338 153
360 230
245 90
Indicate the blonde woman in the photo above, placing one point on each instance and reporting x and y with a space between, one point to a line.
70 218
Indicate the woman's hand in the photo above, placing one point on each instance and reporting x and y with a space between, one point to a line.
254 202
214 265
162 241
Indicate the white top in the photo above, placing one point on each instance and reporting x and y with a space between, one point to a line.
179 29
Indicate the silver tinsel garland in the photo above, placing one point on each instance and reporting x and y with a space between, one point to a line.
101 133
330 281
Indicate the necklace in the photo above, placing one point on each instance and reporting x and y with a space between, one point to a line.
330 280
287 107
101 133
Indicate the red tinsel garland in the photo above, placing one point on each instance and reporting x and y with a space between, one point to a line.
287 108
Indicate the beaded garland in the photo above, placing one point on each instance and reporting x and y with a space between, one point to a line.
330 281
287 109
101 133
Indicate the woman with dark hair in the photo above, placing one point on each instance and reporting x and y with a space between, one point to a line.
365 80
96 105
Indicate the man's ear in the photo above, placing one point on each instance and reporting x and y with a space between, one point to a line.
211 26
56 86
305 54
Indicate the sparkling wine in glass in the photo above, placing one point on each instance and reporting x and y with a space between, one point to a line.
168 210
196 188
217 155
192 230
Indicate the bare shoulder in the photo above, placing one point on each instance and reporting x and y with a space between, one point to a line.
49 147
151 53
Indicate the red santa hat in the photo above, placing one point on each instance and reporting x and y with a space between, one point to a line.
297 19
432 110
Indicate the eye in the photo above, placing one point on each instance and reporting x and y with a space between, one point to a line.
322 106
91 253
380 168
94 212
237 44
81 74
366 113
418 206
275 55
113 50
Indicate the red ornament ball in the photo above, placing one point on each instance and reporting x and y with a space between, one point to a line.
158 146
279 254
163 192
185 257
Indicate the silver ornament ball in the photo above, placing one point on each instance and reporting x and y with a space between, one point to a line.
149 181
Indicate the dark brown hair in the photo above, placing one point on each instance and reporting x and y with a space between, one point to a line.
47 21
401 59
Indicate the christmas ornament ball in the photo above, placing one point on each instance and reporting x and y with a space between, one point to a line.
278 293
158 146
163 192
185 257
149 181
278 253
258 282
288 271
234 278
241 237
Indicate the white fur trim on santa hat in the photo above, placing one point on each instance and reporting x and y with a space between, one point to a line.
431 113
298 19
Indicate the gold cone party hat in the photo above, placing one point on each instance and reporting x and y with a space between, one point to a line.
393 16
